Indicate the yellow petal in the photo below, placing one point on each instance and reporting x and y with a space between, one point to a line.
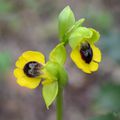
76 57
31 83
18 73
93 66
48 81
21 62
86 69
96 53
34 56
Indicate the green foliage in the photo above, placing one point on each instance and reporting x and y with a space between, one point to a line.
58 54
108 98
65 21
49 92
109 116
5 6
5 62
32 4
102 20
110 44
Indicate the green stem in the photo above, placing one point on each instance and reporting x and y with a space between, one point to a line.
59 104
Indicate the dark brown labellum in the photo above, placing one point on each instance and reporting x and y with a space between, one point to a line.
86 52
32 69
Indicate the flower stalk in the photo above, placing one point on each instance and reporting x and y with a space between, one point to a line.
59 104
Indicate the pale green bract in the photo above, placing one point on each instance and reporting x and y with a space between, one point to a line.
58 54
65 21
50 92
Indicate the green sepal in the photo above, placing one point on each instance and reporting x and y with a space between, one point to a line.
65 20
58 54
95 37
79 35
49 92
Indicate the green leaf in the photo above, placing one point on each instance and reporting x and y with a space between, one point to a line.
5 6
79 35
95 37
49 93
108 98
65 20
5 62
58 54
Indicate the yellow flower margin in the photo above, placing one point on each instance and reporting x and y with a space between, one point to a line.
22 78
81 64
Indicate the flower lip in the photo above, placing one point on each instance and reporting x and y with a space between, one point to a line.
86 52
32 69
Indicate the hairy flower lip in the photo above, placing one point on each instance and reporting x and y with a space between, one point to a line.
32 69
86 52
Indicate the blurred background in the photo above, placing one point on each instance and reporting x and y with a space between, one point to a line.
32 25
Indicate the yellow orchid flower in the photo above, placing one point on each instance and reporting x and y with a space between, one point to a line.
28 69
86 56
